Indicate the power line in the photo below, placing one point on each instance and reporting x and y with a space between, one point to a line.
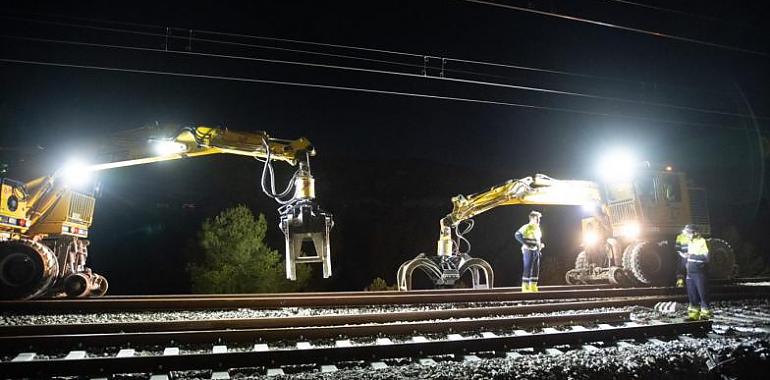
348 47
673 11
359 89
393 73
621 27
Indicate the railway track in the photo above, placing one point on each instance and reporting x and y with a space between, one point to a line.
481 324
348 299
322 348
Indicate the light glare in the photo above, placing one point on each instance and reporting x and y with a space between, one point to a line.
590 238
590 208
166 147
618 166
631 230
75 173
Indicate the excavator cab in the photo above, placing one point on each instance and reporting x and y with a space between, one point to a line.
644 214
655 202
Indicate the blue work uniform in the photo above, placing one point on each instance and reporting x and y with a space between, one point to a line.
681 245
530 237
697 288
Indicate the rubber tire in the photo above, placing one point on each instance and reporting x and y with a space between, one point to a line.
650 263
581 261
44 264
721 259
581 264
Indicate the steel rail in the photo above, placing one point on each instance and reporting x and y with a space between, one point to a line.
419 291
321 355
331 300
354 292
392 328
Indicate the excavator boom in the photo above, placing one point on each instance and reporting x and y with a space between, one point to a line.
540 190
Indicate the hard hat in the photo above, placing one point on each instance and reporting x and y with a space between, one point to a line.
535 213
690 228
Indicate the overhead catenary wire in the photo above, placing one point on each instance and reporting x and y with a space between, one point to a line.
621 27
672 11
394 73
360 89
166 36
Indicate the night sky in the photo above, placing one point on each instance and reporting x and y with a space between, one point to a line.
387 164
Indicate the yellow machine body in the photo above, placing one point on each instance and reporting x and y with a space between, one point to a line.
72 215
13 209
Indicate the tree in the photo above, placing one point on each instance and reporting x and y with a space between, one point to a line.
378 284
233 257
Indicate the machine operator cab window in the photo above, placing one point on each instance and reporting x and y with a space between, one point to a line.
669 188
648 188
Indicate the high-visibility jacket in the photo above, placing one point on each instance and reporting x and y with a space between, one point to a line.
529 235
698 250
682 243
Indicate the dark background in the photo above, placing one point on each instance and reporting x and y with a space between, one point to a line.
388 165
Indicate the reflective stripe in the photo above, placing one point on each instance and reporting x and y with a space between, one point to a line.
695 261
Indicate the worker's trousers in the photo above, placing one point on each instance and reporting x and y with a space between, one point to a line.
531 269
697 286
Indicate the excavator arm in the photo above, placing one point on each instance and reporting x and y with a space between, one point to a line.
148 145
449 264
537 190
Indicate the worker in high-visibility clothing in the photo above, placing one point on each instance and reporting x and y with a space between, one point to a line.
697 286
681 245
531 238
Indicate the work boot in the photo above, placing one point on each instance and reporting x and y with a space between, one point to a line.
680 283
705 314
533 287
693 313
525 288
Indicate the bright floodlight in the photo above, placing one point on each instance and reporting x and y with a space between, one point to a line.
167 147
75 173
618 166
590 238
631 230
590 208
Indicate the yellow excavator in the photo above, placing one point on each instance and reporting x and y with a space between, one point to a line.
627 239
45 222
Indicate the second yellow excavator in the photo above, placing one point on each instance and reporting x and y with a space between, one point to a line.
627 239
45 222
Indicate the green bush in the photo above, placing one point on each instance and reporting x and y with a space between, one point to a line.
378 284
233 257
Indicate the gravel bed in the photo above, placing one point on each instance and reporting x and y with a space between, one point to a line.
741 338
669 360
19 319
